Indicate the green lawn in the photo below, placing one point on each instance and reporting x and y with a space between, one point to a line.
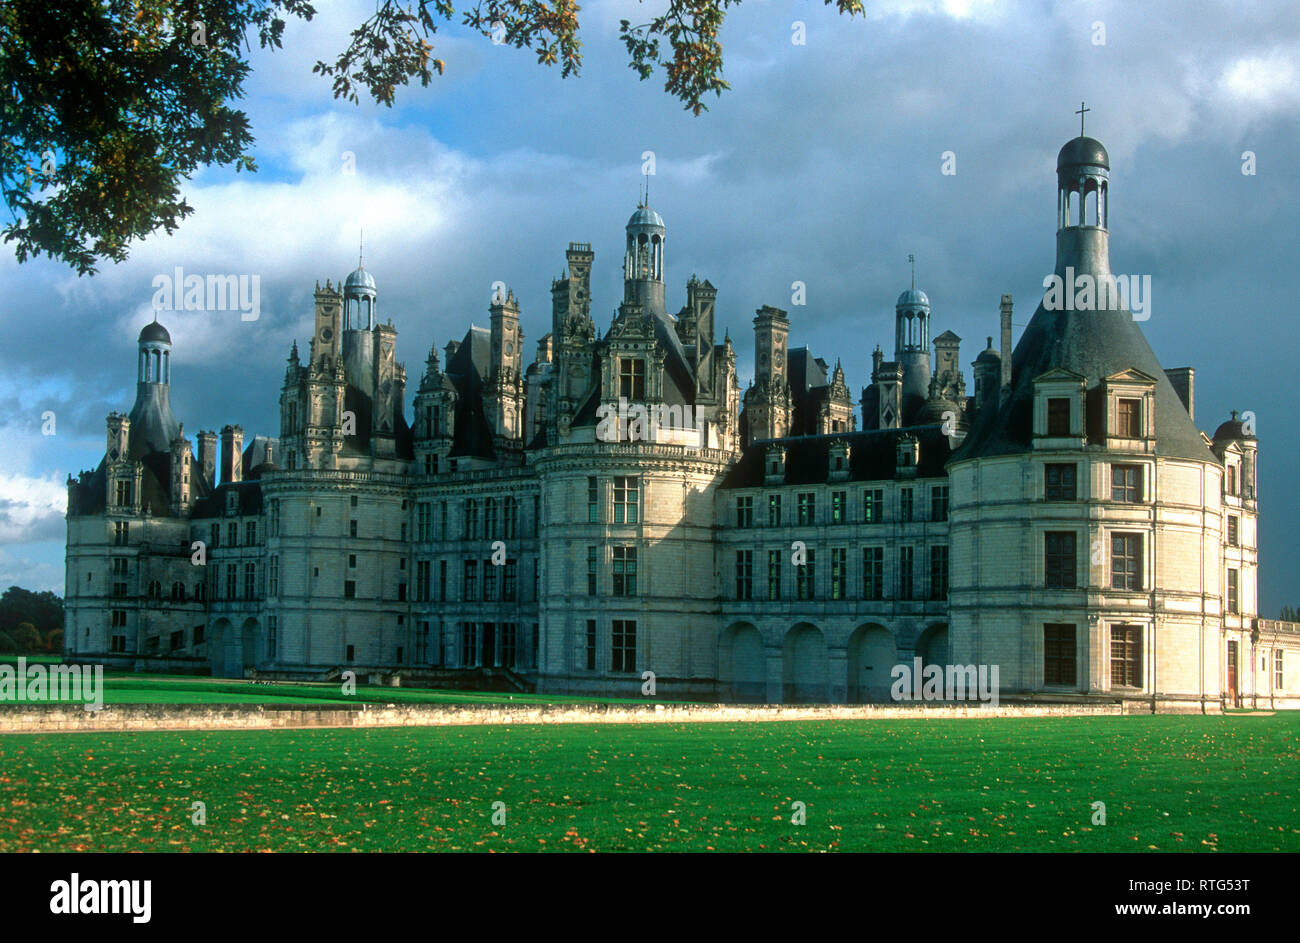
1169 783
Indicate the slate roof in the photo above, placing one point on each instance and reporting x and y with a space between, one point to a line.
468 369
1095 345
873 457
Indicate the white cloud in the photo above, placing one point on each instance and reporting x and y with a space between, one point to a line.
31 507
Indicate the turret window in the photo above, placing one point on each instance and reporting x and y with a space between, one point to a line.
1126 483
1058 416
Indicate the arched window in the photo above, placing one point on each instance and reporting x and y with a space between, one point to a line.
200 591
155 589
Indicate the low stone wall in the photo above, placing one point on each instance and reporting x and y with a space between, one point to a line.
48 718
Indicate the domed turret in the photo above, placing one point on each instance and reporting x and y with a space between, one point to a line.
359 300
153 428
643 265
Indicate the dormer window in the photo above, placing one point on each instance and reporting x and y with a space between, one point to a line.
1058 416
1128 416
631 379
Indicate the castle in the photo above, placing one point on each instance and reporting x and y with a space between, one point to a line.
618 513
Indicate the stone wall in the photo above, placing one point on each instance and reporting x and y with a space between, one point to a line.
122 717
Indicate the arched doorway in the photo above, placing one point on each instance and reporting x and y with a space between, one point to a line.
743 664
804 679
872 656
225 657
932 646
248 645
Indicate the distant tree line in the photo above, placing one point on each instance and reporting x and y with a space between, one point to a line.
1290 614
30 622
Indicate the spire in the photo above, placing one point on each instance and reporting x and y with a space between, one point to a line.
911 259
361 251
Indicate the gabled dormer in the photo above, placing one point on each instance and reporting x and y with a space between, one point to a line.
838 460
907 456
1127 408
1059 409
774 465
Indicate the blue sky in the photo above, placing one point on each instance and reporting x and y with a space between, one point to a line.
821 165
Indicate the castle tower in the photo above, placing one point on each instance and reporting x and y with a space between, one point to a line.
503 399
232 453
435 417
912 349
768 401
988 373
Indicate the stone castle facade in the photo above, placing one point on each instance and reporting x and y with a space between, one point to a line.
619 507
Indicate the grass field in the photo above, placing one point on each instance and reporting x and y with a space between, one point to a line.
1169 783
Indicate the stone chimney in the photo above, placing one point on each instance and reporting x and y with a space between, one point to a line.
232 454
206 460
1183 379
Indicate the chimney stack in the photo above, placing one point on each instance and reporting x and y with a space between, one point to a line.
1183 379
232 454
1006 346
207 457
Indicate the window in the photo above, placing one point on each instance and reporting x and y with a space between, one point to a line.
1126 562
537 581
623 646
352 528
422 520
178 592
807 508
349 589
1126 656
489 518
593 501
1129 415
593 558
1058 654
839 571
939 503
873 505
745 512
442 520
774 574
625 571
939 572
198 635
422 644
510 581
773 510
272 631
906 579
591 644
489 581
119 618
250 533
1234 586
122 532
1126 483
124 493
1060 482
273 575
471 518
232 534
468 644
839 509
805 577
510 518
625 500
232 581
744 574
422 582
1233 533
631 379
905 504
1230 480
470 588
118 643
352 561
200 592
352 500
508 644
401 591
273 518
1060 570
442 580
1058 416
1277 669
873 572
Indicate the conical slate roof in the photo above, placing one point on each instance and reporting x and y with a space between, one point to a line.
1094 344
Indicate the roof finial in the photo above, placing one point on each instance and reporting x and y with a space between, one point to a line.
361 252
1083 109
647 187
911 259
